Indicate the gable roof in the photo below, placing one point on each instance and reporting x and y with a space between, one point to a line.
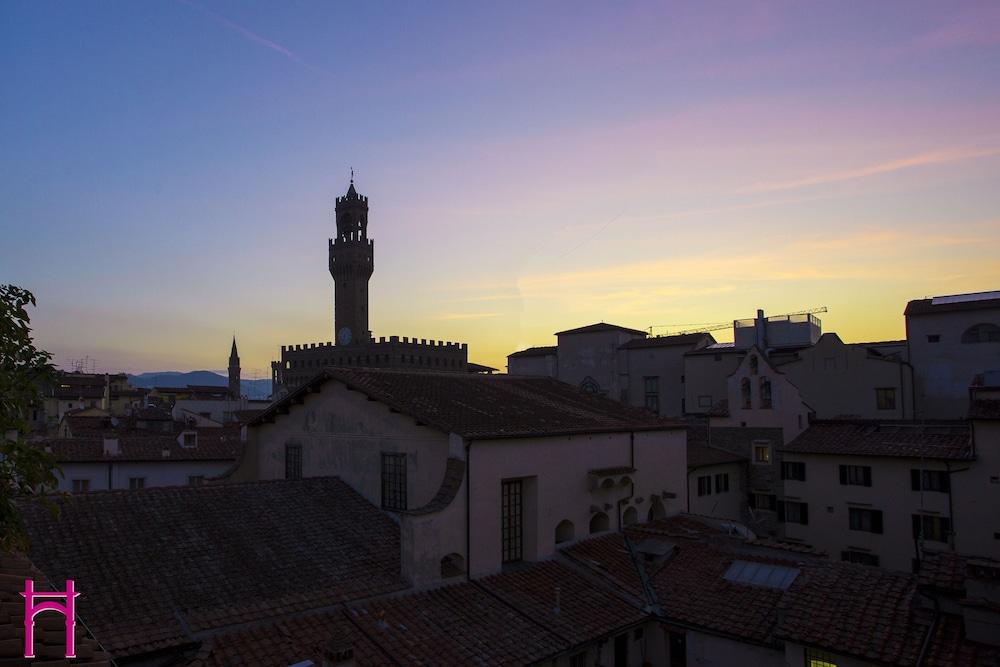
599 327
934 441
542 351
483 406
158 566
668 341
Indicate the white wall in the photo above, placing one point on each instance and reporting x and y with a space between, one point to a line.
156 473
726 505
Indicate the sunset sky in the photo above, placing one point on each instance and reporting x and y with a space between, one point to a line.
168 169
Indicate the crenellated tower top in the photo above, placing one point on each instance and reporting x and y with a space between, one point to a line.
352 262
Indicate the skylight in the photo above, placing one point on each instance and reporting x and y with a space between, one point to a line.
761 574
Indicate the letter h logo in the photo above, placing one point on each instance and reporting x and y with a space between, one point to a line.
31 610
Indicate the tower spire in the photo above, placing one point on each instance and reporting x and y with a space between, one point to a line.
234 372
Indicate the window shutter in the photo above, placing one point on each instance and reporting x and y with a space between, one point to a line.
877 522
805 514
843 474
916 526
945 528
802 472
945 482
781 512
868 476
752 501
915 480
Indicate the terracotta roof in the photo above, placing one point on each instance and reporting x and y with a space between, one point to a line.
50 649
943 571
935 441
599 327
985 408
927 307
214 444
247 416
534 352
700 455
484 406
691 339
151 414
159 565
848 609
949 648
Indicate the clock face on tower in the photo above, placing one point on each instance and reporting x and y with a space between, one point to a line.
344 336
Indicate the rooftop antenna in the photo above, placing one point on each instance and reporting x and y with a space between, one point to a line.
352 175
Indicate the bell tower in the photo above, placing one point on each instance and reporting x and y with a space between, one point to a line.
351 265
234 372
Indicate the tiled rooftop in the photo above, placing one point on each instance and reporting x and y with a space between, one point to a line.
534 352
691 339
600 327
485 406
214 444
933 441
158 565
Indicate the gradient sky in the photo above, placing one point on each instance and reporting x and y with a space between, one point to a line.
168 169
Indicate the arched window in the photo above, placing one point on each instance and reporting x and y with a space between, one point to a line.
745 393
983 332
765 393
452 565
753 365
599 523
630 516
564 531
656 510
590 386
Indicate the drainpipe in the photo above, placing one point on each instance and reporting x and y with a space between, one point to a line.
913 389
631 493
468 510
930 631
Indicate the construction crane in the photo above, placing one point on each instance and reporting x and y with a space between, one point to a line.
717 326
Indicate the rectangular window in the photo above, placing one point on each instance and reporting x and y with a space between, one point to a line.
795 470
885 398
761 454
930 480
651 387
933 338
621 650
678 649
511 520
81 485
196 480
136 482
705 485
816 658
935 528
293 461
393 481
722 482
855 475
793 512
578 660
704 401
869 521
859 557
190 440
763 501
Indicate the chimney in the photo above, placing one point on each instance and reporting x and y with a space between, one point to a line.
106 399
760 326
112 447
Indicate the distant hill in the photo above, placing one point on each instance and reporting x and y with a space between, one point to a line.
249 388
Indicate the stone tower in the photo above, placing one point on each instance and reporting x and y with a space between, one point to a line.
351 265
234 372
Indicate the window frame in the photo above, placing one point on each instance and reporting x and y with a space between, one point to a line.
788 466
136 483
511 521
873 524
293 461
849 475
721 482
393 481
704 485
885 398
757 459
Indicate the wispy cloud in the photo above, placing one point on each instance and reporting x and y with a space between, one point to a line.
245 32
921 160
465 316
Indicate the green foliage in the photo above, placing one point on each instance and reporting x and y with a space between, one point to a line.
24 469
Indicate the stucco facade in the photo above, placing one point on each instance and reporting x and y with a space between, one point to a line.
570 486
950 340
104 476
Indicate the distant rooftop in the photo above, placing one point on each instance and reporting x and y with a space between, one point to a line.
599 327
948 441
691 339
954 302
542 351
